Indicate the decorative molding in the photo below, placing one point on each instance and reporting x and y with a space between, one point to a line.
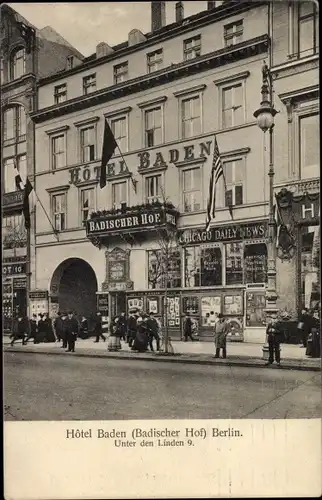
227 79
235 152
83 184
195 161
190 90
115 112
57 130
152 102
87 121
65 187
152 170
300 187
300 95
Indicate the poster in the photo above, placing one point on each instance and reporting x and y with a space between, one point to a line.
210 306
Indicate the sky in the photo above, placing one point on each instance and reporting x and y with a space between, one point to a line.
85 24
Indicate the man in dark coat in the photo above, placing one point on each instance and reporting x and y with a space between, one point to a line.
33 329
274 338
58 325
64 330
49 332
20 329
305 321
122 324
187 328
98 328
153 329
41 328
131 327
83 333
72 331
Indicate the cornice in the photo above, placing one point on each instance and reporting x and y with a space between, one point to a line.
57 130
243 50
227 79
168 32
87 121
18 82
190 90
64 187
152 102
115 112
292 96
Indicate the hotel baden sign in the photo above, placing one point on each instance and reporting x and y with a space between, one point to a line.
145 160
131 222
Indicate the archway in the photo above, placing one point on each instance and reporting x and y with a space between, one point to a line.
74 283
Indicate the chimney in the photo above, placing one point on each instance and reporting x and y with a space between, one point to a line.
179 12
211 5
157 15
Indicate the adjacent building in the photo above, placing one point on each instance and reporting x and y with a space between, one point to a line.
26 54
164 94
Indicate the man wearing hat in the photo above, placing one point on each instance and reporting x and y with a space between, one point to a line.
131 326
221 332
20 329
33 329
72 331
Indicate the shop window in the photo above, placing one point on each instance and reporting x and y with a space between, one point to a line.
233 33
157 275
310 267
255 263
190 305
309 146
203 266
119 194
255 308
192 266
234 267
191 181
119 128
210 308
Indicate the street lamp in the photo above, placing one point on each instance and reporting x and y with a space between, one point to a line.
265 119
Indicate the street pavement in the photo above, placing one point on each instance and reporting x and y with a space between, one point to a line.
239 354
50 387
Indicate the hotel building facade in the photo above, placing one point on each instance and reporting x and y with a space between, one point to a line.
165 95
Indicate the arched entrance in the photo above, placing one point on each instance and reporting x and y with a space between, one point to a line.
74 285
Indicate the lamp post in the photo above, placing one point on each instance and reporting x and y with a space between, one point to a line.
265 119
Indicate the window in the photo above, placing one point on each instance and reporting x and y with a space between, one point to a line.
120 72
234 176
153 188
232 106
234 267
89 84
307 28
14 125
70 62
191 189
153 127
309 146
255 263
17 63
191 117
192 48
309 261
203 266
155 60
9 175
60 93
119 194
158 262
233 33
22 166
119 129
87 203
59 211
2 80
87 144
58 150
14 234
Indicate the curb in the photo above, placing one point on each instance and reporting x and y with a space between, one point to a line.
176 358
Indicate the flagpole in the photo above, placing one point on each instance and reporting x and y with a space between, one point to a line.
134 182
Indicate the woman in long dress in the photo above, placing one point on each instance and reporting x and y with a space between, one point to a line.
114 340
141 340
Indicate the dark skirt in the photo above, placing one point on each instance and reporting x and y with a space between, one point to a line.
313 345
141 342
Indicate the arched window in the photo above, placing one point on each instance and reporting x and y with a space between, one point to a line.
14 125
17 63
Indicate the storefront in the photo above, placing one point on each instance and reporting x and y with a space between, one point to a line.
14 293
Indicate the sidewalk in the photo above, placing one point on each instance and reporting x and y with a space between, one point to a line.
239 354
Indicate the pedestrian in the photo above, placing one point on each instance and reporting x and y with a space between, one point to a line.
20 329
221 331
33 330
83 330
72 331
187 328
41 328
153 330
131 327
141 340
122 322
313 342
49 330
274 338
304 325
114 340
98 327
58 326
64 330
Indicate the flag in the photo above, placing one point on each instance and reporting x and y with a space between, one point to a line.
217 171
109 146
27 188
